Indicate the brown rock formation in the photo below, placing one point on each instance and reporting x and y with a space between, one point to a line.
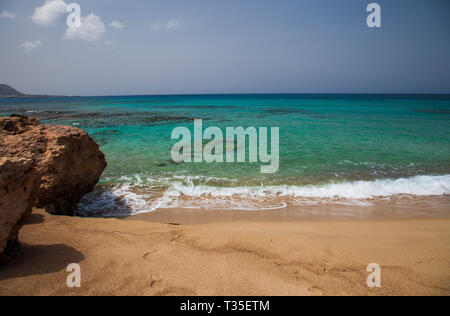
51 166
19 184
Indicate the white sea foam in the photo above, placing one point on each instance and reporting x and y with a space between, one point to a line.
419 185
126 199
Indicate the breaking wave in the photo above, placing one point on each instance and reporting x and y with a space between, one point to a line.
135 197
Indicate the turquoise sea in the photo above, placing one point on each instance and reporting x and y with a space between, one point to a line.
333 148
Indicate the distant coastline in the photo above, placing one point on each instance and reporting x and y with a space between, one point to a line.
8 92
31 96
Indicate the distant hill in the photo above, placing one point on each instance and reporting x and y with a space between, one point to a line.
8 91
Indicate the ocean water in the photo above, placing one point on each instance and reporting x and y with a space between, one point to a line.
333 149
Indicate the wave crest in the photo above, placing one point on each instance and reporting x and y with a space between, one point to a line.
127 199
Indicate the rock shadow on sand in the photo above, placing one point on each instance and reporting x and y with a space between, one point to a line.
34 219
35 260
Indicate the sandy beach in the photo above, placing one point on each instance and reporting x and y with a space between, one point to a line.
224 148
250 257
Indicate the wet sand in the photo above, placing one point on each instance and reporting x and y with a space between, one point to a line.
229 255
378 209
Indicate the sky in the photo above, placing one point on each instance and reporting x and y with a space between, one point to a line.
140 47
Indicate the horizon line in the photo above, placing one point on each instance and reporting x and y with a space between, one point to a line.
246 93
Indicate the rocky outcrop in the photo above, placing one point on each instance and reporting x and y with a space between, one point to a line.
19 184
70 168
49 166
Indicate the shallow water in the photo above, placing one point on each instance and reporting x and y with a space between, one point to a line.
333 149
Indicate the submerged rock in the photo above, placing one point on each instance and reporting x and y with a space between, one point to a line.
49 166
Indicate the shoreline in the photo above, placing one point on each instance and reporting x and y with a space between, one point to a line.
319 213
414 196
244 257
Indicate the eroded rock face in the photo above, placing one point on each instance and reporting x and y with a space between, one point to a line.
49 166
71 168
19 184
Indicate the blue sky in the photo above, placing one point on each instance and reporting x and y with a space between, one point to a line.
226 46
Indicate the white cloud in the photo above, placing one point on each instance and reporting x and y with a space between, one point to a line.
31 45
173 24
157 26
49 12
169 25
117 25
7 15
92 29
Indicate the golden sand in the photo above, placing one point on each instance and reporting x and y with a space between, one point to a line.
129 257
